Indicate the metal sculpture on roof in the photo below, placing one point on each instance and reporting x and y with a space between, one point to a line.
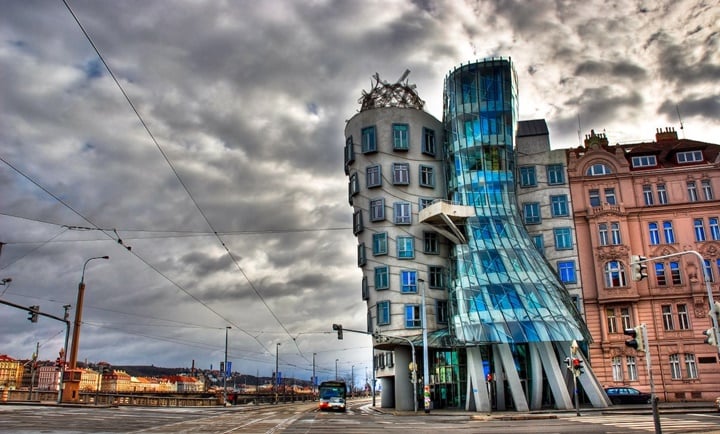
398 94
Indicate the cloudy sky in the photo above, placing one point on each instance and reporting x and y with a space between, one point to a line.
214 150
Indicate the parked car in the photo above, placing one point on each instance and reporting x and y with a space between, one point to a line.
627 395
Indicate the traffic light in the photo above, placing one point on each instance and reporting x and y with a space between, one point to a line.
710 338
338 327
639 268
33 313
568 363
578 368
638 338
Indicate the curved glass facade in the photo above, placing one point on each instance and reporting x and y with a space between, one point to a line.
501 290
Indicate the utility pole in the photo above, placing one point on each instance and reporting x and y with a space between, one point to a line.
33 366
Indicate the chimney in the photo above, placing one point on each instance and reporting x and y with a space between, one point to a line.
666 136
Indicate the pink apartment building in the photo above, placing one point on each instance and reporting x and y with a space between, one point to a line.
651 199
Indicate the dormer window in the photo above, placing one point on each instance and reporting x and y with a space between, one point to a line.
599 169
644 161
689 157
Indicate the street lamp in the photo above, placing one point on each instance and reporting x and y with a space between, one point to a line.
314 380
352 382
72 382
277 373
336 375
426 368
225 367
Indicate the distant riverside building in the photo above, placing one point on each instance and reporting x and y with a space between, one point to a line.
11 373
435 213
651 199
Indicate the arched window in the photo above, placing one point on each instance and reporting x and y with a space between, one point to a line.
598 169
615 274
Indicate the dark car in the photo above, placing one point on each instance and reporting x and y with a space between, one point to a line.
627 395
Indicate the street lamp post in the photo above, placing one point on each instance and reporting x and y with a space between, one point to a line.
72 374
336 374
426 368
224 374
277 373
314 380
352 382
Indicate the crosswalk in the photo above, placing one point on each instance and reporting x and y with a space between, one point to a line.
640 422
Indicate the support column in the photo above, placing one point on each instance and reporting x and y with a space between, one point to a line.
513 379
478 398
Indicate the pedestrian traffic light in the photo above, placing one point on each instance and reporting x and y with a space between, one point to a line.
638 338
639 267
710 337
578 368
33 313
338 327
568 363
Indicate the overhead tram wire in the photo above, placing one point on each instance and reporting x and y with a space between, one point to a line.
182 183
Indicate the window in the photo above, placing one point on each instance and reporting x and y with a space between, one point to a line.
598 170
357 222
527 176
431 244
383 313
668 232
563 238
614 274
683 317
603 234
559 205
654 233
401 137
692 191
412 316
349 152
377 210
709 271
675 273
354 185
648 194
531 213
644 161
699 226
617 368
368 140
611 321
361 258
555 174
625 317
405 247
690 366
401 211
441 312
667 317
401 173
435 277
660 275
615 233
373 176
380 246
539 242
714 228
706 189
424 202
689 157
428 142
365 289
492 262
631 368
610 196
408 282
382 278
566 271
594 196
427 176
661 194
675 372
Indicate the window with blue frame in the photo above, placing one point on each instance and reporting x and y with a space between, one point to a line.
431 243
714 226
559 205
401 173
408 281
428 142
373 176
401 137
357 222
349 152
383 313
668 232
402 213
654 233
365 289
566 271
699 226
527 176
531 213
539 242
427 176
382 277
424 202
369 143
435 277
377 210
555 174
380 244
405 247
413 319
362 258
563 238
